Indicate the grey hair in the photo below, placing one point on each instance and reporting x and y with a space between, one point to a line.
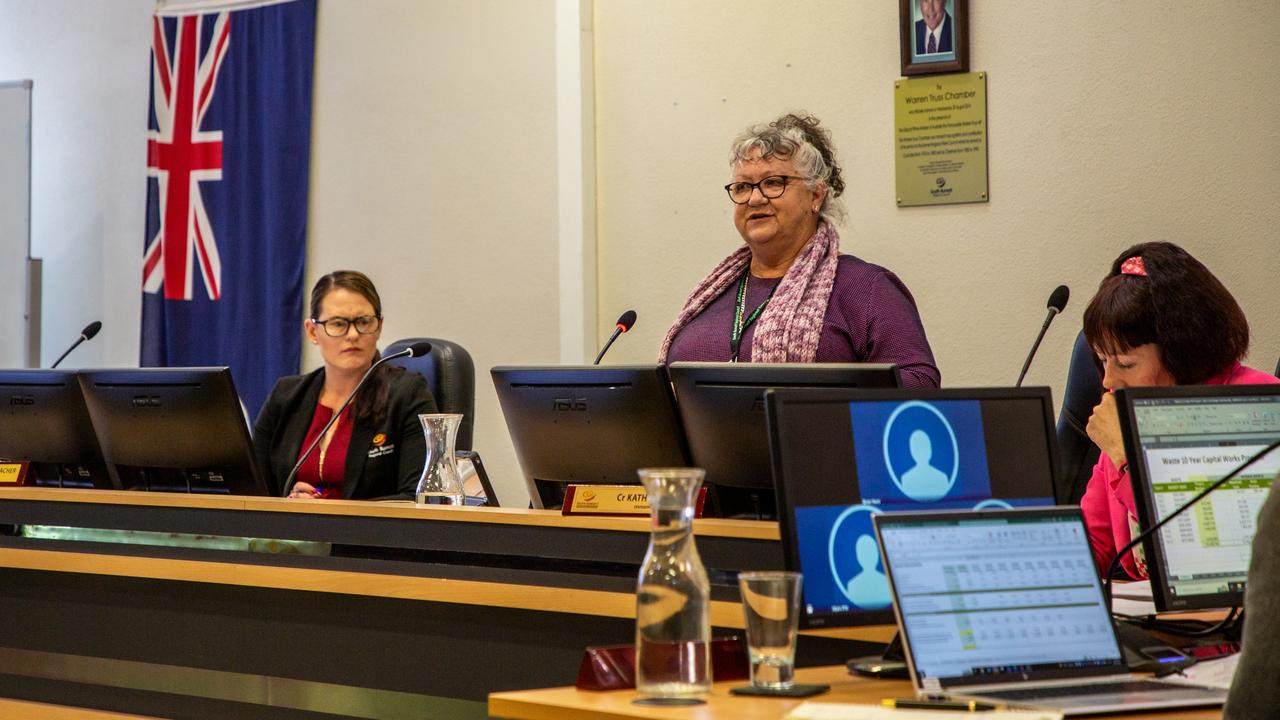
800 139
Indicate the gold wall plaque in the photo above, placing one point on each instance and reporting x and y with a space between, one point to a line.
940 144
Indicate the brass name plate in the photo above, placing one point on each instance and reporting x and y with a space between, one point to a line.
614 500
605 500
940 139
14 473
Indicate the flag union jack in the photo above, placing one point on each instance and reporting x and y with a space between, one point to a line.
228 158
181 156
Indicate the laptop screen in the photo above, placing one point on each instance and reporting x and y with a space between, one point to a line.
1182 440
998 595
841 456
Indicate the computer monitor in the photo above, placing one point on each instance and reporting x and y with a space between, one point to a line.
590 425
172 429
841 456
722 411
44 421
1179 440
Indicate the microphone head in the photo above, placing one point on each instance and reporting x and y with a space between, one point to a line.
91 329
626 320
419 349
1058 300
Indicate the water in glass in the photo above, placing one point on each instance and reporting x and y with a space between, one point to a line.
771 611
673 621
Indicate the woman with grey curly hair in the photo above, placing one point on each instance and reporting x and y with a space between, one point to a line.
788 295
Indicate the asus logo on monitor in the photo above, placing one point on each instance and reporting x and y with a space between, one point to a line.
569 404
22 400
146 401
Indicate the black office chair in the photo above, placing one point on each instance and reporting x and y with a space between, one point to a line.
450 374
1076 452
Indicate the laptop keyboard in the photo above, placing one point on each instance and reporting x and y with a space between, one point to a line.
1128 686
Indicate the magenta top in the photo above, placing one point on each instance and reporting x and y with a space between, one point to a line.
871 317
1110 511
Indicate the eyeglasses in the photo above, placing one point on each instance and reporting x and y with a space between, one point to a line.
340 326
770 187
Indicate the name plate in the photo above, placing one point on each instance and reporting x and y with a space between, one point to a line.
614 500
14 473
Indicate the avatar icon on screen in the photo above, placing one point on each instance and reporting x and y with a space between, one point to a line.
924 481
917 452
869 588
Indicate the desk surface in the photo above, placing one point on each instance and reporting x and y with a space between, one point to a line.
568 703
402 509
23 710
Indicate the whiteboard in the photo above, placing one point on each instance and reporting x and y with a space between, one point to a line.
15 221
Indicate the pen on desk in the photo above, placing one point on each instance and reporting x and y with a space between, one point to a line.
958 705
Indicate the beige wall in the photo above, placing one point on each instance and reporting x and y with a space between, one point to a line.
88 165
434 170
1105 136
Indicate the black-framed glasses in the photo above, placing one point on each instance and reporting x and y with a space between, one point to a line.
340 326
770 187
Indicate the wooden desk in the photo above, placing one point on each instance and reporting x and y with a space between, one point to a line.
21 710
416 611
567 703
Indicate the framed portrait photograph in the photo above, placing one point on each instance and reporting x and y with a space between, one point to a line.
934 36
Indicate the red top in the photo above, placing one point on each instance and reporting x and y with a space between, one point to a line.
327 478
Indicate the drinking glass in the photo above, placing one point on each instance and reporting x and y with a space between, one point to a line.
771 608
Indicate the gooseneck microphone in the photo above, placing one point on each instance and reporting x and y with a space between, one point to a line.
1057 301
625 321
417 349
86 334
1115 561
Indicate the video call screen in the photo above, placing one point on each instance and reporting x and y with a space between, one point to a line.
842 462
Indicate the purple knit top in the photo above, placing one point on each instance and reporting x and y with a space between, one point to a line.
871 317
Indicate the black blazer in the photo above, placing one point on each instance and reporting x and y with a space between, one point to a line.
391 468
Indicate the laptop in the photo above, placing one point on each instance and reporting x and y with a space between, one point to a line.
1005 606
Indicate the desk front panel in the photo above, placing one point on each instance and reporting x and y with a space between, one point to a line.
406 615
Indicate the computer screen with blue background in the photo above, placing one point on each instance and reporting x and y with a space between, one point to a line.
842 456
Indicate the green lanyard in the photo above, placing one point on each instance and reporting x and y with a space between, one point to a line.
739 325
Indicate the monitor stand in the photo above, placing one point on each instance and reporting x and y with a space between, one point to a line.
889 665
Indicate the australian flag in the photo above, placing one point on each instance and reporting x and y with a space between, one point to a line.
228 150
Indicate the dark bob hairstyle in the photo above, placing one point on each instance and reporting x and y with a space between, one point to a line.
1178 305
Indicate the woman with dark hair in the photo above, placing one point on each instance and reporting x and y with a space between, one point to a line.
1159 318
787 294
376 448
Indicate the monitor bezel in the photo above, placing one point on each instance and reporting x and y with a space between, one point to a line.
776 400
116 438
75 432
1139 478
705 421
656 422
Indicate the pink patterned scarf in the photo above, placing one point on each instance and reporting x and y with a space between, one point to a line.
789 328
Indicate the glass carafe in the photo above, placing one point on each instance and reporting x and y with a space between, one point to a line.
673 622
440 483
